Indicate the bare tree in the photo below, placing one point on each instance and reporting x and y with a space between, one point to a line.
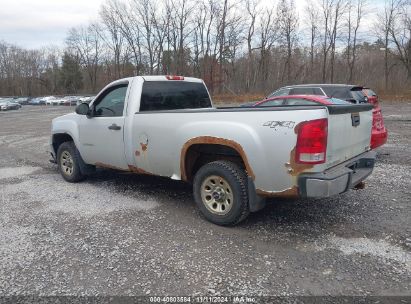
287 23
313 17
356 9
86 43
234 45
114 38
384 26
339 9
400 32
128 23
268 29
253 11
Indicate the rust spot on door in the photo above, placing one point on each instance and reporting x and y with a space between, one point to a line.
213 140
143 147
137 153
289 193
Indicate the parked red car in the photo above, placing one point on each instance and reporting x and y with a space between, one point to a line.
378 132
371 95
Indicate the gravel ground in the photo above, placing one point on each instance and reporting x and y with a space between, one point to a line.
124 234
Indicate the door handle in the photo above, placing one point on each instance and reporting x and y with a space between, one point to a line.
114 127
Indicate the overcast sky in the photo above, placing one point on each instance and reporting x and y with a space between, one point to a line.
37 23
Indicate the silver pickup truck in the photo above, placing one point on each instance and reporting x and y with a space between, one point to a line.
234 157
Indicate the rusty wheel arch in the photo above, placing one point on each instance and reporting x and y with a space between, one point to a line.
185 168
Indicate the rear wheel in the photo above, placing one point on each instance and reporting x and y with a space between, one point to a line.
68 162
220 192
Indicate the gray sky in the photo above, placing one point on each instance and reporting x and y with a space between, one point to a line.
37 23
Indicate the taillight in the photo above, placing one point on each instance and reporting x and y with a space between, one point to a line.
174 77
312 142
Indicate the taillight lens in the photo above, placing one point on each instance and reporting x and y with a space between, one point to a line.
174 77
312 142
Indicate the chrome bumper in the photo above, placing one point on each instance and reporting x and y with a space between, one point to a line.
338 179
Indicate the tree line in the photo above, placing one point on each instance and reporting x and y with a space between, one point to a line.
236 46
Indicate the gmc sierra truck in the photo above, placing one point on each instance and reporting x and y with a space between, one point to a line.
234 157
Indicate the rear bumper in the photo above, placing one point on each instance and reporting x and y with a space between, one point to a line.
338 179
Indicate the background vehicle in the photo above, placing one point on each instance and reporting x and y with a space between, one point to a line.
85 99
371 95
3 104
235 157
9 104
379 132
70 100
292 100
56 101
349 93
49 100
22 100
37 101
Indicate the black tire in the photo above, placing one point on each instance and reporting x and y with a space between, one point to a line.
237 181
74 175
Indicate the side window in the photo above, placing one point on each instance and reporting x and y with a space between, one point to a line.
302 91
111 103
299 102
306 91
318 91
337 92
272 103
281 92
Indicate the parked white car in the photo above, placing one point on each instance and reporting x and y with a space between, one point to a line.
85 99
49 100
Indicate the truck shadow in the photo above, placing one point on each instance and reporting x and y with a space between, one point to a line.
307 217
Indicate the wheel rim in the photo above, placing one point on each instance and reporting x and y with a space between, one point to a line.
217 195
66 163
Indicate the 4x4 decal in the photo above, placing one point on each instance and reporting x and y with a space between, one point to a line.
279 124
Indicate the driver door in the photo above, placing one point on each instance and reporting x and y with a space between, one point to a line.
101 132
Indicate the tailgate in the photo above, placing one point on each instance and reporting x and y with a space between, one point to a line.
349 132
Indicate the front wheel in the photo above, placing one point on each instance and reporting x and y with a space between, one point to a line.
220 192
68 162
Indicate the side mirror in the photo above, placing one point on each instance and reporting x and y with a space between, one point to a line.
82 109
